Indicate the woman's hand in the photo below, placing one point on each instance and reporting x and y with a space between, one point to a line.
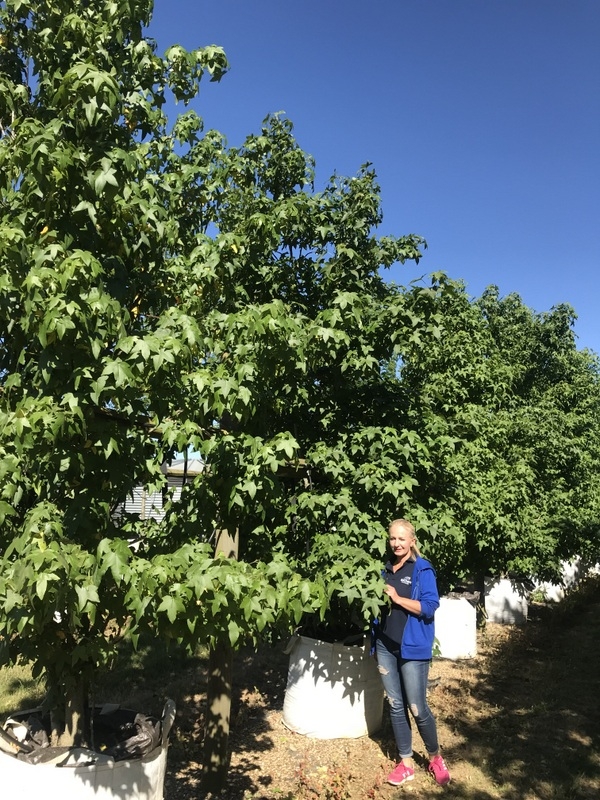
392 594
412 606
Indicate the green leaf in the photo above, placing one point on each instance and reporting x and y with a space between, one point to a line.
41 586
234 632
170 606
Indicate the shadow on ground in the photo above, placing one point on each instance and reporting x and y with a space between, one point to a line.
541 688
520 722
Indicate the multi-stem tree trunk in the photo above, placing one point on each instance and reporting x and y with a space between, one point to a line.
218 699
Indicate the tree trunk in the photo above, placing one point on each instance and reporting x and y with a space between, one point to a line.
73 732
218 700
218 711
479 584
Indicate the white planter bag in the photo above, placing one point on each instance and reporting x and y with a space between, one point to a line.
505 602
137 779
333 691
456 628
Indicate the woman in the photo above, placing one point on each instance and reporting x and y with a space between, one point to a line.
404 645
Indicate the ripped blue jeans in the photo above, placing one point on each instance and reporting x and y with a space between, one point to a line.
405 684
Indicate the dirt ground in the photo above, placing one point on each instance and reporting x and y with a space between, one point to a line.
521 721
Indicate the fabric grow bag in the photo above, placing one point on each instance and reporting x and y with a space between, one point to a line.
505 602
456 628
333 690
106 779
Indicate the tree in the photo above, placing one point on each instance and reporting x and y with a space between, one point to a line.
95 236
160 291
509 408
556 426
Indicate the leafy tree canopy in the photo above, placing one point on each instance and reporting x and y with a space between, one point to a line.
161 291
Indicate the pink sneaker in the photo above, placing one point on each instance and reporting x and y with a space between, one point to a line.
439 770
400 774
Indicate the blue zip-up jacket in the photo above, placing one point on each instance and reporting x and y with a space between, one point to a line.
419 631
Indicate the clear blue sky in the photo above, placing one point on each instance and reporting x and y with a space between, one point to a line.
481 117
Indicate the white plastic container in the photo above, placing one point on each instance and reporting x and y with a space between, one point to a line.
505 602
456 628
333 691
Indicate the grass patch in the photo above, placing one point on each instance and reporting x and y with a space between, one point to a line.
18 690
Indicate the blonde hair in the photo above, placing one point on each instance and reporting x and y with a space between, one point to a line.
410 528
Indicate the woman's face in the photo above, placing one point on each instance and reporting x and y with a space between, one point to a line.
400 540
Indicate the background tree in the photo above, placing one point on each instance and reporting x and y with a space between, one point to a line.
510 409
555 426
